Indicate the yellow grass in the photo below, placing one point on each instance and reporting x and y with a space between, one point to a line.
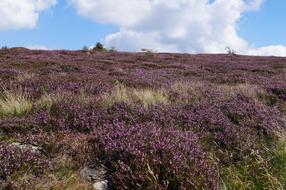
47 100
14 103
192 91
248 90
25 76
145 97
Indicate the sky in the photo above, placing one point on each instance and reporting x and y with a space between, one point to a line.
255 27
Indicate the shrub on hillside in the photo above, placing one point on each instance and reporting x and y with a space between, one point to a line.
148 157
16 162
4 48
99 47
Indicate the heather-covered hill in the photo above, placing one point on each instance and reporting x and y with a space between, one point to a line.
141 120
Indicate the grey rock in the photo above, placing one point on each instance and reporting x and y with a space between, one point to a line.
97 176
93 174
101 185
3 184
34 149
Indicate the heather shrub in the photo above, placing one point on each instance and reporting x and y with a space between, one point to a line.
54 143
179 121
232 129
148 157
72 117
246 112
14 125
16 162
14 103
7 74
278 90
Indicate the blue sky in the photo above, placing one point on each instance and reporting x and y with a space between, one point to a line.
266 26
58 28
68 24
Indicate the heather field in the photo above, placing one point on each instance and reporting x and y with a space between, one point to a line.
79 120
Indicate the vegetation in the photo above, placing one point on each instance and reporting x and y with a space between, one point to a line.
230 51
4 48
85 48
14 103
145 97
113 49
99 47
166 121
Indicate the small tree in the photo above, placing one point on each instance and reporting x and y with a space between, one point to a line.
113 49
4 48
230 51
99 47
148 51
85 48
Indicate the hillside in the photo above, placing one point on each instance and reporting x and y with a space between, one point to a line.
77 119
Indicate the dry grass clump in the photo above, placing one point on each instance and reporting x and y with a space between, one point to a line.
194 92
65 177
14 102
25 76
248 90
84 98
72 182
149 97
187 92
186 87
47 100
145 97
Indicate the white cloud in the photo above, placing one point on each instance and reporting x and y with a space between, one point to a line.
17 14
277 50
38 47
174 25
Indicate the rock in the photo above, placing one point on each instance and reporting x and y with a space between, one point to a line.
3 184
93 174
90 174
101 185
34 149
97 176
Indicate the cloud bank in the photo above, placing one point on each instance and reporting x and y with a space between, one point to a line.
37 47
193 26
18 14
